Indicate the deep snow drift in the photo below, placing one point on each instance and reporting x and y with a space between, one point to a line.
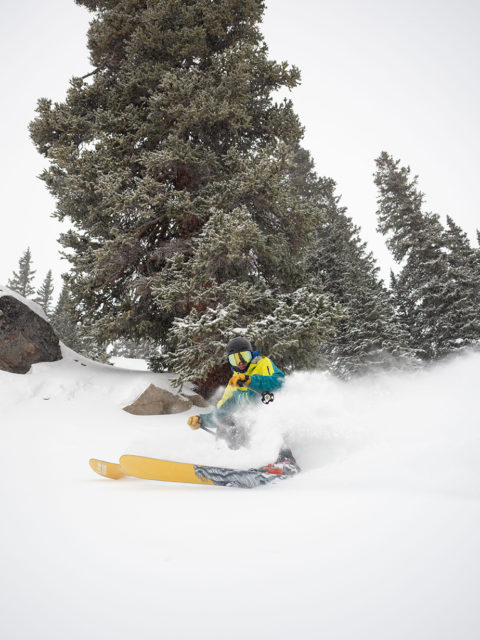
377 538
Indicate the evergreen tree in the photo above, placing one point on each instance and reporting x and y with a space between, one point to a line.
429 291
460 320
369 334
170 159
71 332
22 282
64 322
224 286
45 293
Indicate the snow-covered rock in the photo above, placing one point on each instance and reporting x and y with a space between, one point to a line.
25 336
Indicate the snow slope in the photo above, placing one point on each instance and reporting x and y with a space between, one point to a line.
377 538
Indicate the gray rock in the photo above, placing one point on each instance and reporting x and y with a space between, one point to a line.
157 401
25 337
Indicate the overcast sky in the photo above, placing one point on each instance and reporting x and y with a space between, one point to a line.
376 75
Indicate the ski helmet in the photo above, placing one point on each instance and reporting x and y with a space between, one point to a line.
238 344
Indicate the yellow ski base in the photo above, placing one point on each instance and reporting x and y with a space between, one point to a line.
154 469
107 469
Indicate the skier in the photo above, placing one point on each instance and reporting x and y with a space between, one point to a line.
252 376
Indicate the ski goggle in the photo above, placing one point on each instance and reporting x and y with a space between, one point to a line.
236 358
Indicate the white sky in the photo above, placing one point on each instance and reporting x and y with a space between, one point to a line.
376 75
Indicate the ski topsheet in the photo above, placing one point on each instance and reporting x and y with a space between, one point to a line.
167 471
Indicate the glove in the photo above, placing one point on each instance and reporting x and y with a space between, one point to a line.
195 422
240 380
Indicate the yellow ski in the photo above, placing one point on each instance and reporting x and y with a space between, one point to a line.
107 469
154 469
167 471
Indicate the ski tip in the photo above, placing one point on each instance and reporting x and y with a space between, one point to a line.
107 469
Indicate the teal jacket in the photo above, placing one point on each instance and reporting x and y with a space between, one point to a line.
264 376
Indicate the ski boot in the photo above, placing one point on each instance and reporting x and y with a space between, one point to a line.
285 465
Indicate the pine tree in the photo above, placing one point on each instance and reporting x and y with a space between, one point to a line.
64 322
22 282
169 159
428 291
223 287
45 293
460 325
369 334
